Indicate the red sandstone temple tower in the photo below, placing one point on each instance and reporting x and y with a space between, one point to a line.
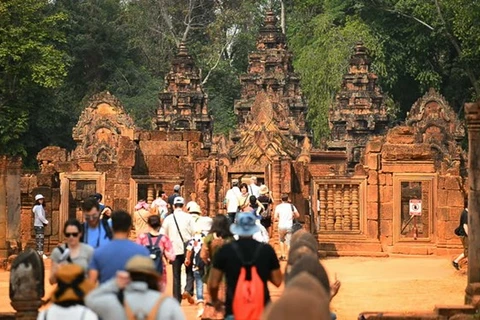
270 70
359 110
183 103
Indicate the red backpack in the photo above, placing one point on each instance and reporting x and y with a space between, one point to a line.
249 297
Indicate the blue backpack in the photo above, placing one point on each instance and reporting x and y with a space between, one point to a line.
155 252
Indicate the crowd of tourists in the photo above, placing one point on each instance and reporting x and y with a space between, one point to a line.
100 273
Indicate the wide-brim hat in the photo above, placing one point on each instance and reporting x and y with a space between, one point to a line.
38 197
245 224
263 189
72 284
142 264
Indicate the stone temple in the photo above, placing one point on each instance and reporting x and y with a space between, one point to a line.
353 195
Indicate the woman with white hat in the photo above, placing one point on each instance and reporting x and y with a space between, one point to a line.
39 223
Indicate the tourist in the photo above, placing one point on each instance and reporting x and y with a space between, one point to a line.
113 256
171 198
243 198
179 227
39 223
133 294
304 297
202 222
462 232
165 245
67 298
140 217
218 236
253 188
231 198
284 214
253 206
266 200
233 256
160 206
96 232
98 197
194 246
72 251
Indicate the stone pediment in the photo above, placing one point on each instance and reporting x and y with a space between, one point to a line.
100 129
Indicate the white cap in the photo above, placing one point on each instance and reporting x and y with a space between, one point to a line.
38 197
193 207
176 187
178 200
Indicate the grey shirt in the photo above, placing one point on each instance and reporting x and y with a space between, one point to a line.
104 302
83 259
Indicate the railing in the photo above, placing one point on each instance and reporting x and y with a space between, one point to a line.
339 207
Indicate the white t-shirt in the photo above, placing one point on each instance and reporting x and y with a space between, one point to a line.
186 226
284 212
77 312
254 190
232 200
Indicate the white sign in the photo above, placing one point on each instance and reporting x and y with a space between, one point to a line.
415 207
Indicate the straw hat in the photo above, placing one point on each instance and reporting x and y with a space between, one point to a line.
141 264
263 189
72 284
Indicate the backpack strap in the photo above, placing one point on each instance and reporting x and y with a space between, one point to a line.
106 227
150 242
152 315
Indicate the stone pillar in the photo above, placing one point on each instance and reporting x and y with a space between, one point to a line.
472 113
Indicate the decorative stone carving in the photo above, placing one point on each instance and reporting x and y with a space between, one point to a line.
359 110
100 128
183 103
27 284
270 71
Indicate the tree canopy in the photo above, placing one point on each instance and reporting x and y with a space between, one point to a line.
55 54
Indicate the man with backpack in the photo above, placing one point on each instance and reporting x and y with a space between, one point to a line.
171 198
462 232
247 266
97 232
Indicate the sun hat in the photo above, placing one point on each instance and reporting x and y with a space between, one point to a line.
193 207
178 200
176 187
38 197
72 284
141 264
245 224
263 189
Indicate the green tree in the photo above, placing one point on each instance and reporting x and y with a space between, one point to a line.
31 65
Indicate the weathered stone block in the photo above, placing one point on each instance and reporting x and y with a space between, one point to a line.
164 148
455 198
52 154
196 150
126 158
174 136
382 179
193 136
394 166
443 213
442 198
69 166
452 183
372 193
386 194
372 177
401 135
441 182
388 179
372 161
123 175
86 165
386 228
163 165
386 211
120 204
374 145
158 135
122 191
45 180
372 228
55 198
372 211
454 214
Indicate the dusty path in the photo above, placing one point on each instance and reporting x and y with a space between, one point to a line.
377 284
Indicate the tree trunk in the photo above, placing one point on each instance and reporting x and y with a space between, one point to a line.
282 16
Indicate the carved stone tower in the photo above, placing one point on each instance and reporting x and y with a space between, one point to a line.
183 103
359 110
270 71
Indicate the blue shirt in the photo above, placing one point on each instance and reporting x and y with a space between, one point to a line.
113 256
96 237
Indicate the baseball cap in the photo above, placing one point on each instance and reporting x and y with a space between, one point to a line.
176 187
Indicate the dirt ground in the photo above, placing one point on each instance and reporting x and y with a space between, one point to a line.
368 284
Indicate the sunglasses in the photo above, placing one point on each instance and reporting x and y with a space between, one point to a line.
71 234
92 217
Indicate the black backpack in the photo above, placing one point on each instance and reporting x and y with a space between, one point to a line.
155 252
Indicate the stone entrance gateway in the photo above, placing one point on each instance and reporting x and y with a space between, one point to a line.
353 193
